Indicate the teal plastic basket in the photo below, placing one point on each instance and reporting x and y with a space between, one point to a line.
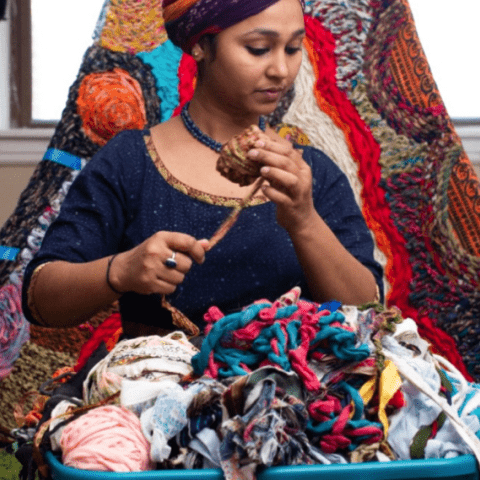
459 468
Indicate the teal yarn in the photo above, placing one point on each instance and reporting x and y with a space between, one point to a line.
341 342
165 60
223 326
292 331
233 358
262 344
277 337
356 399
337 431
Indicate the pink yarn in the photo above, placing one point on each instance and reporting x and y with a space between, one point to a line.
107 438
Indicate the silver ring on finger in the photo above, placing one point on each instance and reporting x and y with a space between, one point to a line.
171 262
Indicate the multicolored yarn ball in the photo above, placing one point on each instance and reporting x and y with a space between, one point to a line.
110 102
107 438
233 162
14 329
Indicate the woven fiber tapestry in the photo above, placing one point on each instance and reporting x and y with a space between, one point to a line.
364 95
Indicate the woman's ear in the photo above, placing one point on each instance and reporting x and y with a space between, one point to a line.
198 53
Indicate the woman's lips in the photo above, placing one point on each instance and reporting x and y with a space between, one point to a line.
271 94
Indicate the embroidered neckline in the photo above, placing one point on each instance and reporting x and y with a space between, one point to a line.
191 191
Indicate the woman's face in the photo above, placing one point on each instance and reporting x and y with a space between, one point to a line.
256 60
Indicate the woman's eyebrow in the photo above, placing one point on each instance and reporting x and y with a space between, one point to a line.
272 33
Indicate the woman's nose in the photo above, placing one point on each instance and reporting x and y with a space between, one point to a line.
279 66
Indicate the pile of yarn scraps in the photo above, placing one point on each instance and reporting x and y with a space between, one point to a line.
285 383
361 374
116 428
315 343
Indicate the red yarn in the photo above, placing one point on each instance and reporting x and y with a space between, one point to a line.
398 400
342 419
268 314
298 357
213 366
250 331
341 435
337 440
321 410
296 354
213 315
366 152
187 71
332 443
108 331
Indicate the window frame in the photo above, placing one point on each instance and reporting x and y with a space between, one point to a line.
21 67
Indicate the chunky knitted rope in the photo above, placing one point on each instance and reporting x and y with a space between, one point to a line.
271 334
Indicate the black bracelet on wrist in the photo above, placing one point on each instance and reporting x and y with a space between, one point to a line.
110 260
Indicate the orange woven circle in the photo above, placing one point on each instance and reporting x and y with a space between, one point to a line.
109 102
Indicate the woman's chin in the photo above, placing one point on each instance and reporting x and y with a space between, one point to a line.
267 108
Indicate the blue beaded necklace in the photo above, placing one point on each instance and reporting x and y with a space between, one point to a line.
192 127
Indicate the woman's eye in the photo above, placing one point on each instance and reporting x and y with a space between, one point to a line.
257 51
292 50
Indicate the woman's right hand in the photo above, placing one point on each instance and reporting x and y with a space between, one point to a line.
142 269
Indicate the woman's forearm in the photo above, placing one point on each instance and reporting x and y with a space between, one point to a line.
332 273
66 294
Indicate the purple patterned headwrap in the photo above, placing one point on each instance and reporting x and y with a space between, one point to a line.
186 21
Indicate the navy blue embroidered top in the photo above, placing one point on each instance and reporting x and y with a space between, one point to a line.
122 197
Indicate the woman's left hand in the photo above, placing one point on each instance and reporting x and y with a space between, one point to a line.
288 180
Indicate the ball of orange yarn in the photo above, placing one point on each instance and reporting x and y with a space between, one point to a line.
109 102
107 438
233 162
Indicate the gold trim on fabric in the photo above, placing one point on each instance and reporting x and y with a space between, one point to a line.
377 293
31 297
193 192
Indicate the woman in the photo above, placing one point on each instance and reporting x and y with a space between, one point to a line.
135 223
